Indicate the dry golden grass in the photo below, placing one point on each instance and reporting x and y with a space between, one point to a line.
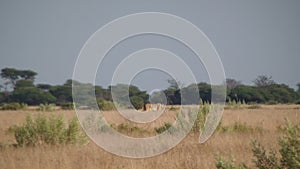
188 154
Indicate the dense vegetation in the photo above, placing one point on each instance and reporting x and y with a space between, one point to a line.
24 90
48 130
289 153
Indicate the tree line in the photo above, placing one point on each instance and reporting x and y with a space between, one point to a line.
24 90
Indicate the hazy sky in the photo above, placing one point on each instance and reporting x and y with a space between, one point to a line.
252 37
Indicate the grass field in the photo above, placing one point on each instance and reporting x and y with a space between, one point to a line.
262 122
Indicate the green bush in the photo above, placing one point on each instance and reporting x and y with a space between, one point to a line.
106 105
223 164
163 128
67 106
290 147
46 107
126 129
289 152
44 130
74 133
13 106
262 160
137 102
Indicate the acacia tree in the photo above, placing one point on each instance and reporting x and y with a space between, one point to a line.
24 83
13 75
263 81
175 84
232 83
27 74
298 90
44 87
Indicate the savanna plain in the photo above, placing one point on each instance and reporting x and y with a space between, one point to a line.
238 128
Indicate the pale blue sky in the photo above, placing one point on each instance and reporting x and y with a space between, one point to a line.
252 37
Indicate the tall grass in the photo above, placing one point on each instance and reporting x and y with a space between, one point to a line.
263 159
186 155
201 116
239 128
233 104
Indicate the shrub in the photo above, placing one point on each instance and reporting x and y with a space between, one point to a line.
13 106
67 106
137 102
126 129
74 133
106 105
46 107
25 134
262 160
52 130
290 147
163 128
289 151
223 164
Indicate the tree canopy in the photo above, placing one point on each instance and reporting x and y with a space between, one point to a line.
12 75
264 90
263 81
